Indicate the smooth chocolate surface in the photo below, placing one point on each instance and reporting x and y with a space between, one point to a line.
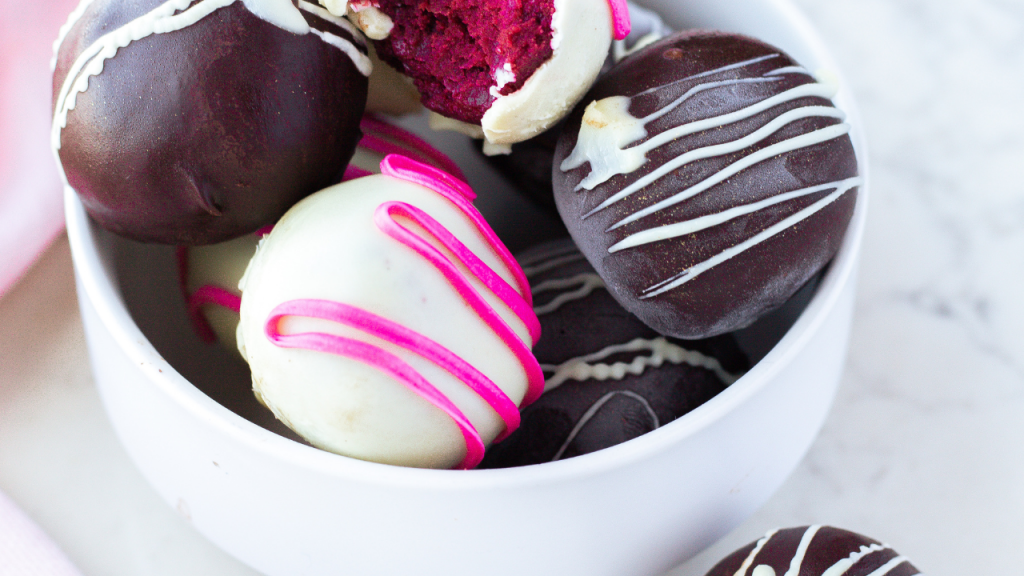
713 178
609 377
211 131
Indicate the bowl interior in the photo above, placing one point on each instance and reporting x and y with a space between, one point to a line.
135 286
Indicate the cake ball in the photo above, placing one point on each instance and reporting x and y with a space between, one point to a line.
527 166
209 274
814 551
503 71
383 319
706 177
608 377
192 122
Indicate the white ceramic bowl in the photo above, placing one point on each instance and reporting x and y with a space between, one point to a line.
288 509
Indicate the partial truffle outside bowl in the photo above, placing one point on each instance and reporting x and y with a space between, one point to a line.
288 509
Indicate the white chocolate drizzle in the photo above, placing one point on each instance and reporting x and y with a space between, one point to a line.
889 566
697 269
753 553
796 562
607 146
359 59
801 551
73 19
171 16
702 222
585 283
589 367
592 411
841 567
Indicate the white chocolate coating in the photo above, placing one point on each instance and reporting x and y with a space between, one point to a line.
582 35
328 247
221 265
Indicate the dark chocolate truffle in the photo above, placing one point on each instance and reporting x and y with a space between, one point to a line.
707 177
609 378
814 551
192 122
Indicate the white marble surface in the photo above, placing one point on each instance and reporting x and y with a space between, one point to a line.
923 447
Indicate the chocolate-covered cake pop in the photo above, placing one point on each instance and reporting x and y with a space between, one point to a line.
707 177
609 378
195 121
504 71
814 551
528 164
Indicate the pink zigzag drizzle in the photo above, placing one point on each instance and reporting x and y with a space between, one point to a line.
453 262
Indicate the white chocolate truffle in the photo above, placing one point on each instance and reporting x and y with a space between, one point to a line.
383 320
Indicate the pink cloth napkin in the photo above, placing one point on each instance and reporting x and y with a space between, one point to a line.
31 215
31 211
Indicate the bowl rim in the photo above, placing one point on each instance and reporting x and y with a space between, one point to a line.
98 285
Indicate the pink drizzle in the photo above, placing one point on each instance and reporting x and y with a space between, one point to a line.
620 18
207 295
393 365
380 136
519 302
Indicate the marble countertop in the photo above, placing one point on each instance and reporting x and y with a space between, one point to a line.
921 447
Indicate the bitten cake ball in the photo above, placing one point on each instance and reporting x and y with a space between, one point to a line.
383 319
814 551
527 166
505 70
196 121
706 177
609 378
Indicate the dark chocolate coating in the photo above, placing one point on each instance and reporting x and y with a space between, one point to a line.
734 292
528 166
621 409
827 546
210 132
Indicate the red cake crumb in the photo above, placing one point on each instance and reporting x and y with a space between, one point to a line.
451 48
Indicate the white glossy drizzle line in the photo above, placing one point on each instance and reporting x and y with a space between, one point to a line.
588 367
610 155
362 61
587 282
592 411
700 223
753 553
73 19
841 567
727 68
801 551
802 91
549 251
694 271
802 141
889 566
609 148
170 16
565 258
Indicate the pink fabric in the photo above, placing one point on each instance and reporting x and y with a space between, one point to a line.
31 209
25 550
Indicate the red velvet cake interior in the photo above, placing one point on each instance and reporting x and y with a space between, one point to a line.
457 50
